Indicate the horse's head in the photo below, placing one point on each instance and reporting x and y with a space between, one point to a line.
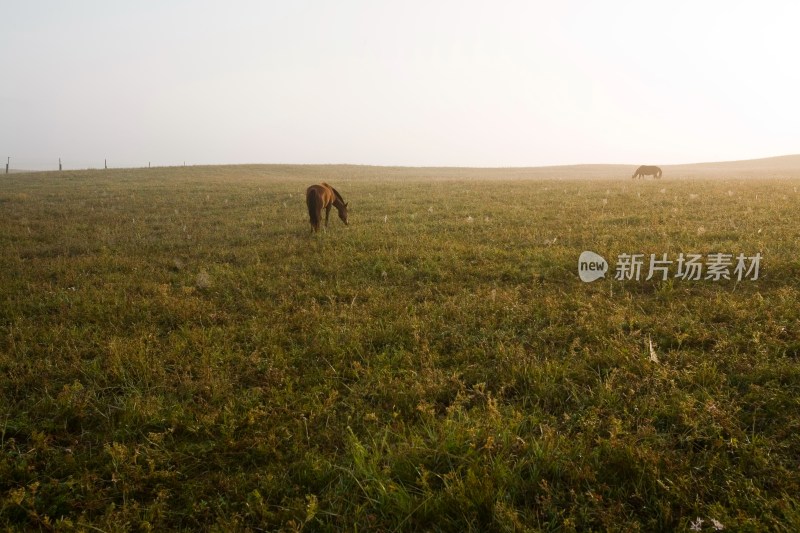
343 213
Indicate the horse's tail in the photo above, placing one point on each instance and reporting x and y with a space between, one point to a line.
314 207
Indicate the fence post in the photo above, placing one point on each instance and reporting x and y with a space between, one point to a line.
59 164
105 163
8 163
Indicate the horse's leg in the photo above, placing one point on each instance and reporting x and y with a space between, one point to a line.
327 213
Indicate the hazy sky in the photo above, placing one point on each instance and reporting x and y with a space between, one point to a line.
461 83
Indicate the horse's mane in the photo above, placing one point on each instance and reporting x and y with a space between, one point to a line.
335 192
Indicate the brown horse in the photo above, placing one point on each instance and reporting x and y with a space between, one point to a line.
646 170
323 196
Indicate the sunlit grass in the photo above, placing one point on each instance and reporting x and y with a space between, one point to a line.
177 352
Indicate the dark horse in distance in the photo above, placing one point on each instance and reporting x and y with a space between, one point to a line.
647 170
323 196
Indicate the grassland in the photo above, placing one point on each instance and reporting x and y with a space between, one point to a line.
177 353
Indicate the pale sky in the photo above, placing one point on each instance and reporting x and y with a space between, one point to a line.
419 83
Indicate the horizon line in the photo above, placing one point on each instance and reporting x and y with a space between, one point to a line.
483 167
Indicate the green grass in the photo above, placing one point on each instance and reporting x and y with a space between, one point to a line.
178 353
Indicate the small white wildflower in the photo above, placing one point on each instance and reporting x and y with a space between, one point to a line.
430 209
697 525
203 280
605 201
653 355
385 218
662 191
717 524
730 193
384 275
486 219
701 230
469 219
692 196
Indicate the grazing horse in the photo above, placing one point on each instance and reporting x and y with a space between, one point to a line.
323 196
646 170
